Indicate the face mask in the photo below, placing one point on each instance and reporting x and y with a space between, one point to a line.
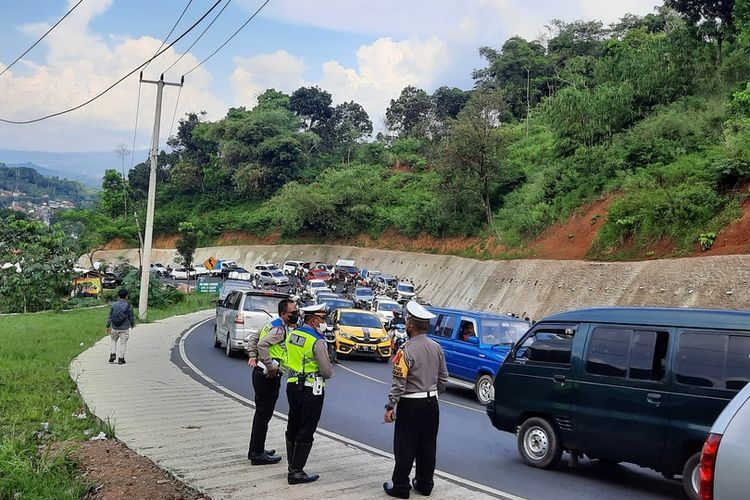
293 318
322 328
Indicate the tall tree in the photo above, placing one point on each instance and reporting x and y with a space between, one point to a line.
187 243
312 105
351 124
713 18
113 193
409 114
448 102
475 148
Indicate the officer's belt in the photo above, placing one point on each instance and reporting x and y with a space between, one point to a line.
420 395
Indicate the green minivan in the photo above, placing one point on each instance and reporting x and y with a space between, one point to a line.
637 385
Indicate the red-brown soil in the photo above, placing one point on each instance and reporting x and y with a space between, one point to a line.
573 238
734 238
166 241
115 472
242 238
393 240
116 244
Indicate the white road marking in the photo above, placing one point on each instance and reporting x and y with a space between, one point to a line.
351 370
357 444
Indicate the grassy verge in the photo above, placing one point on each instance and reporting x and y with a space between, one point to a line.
39 404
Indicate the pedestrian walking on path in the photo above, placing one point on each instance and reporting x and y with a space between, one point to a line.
267 358
121 319
308 366
419 373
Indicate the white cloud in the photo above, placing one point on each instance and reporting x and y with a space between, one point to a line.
78 64
253 75
383 69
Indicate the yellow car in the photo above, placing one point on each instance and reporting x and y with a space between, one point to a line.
361 333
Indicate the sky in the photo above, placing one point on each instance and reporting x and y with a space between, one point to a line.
356 49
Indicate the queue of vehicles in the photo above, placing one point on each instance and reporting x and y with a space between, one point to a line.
648 386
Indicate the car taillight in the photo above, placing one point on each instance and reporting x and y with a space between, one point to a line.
708 466
239 320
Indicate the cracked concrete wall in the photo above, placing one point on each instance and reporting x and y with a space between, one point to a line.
536 287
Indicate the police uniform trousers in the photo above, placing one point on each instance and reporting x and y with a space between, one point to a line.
304 413
415 437
266 393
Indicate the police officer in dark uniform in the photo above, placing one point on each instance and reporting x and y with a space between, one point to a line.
419 373
308 366
267 358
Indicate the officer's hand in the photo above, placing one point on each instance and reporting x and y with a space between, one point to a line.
388 417
252 362
109 331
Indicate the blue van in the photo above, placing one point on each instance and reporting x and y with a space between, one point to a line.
475 345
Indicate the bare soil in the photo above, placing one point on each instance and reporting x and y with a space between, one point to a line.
116 244
243 238
166 241
116 472
573 238
735 237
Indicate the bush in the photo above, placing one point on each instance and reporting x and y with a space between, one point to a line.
159 295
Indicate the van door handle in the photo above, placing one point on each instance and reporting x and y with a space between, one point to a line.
560 379
654 399
482 356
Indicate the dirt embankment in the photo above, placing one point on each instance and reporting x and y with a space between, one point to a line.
735 238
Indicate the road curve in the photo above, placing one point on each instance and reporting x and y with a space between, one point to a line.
468 445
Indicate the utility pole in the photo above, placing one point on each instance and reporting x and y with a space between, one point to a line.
146 262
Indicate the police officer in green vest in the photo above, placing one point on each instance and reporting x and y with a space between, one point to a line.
308 366
268 358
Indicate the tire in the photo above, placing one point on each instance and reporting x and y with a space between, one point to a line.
484 389
228 349
538 443
217 342
691 477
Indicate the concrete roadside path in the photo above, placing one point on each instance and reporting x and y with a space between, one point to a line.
201 435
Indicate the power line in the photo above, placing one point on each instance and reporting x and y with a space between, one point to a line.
138 100
174 114
228 39
199 37
51 115
40 39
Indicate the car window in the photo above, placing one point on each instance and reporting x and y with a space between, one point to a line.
265 273
701 359
648 354
738 362
388 306
627 352
548 344
360 319
502 331
444 326
262 303
466 329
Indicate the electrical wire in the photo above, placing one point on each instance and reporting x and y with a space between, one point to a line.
199 36
89 101
41 38
228 39
174 114
140 84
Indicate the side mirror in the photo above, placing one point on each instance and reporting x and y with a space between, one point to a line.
473 340
219 302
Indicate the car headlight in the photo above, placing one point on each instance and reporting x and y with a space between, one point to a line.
345 336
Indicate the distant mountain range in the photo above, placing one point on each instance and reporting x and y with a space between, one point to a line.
85 167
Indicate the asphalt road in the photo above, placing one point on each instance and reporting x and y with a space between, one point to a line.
468 445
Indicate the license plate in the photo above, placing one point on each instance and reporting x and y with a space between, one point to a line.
368 348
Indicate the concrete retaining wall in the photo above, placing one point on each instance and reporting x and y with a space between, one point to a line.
536 287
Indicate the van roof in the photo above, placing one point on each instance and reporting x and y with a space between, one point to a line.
481 314
659 316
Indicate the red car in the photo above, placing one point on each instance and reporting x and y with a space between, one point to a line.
319 274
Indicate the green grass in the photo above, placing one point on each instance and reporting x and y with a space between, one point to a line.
35 388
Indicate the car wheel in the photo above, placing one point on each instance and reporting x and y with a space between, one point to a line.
691 477
538 443
484 388
217 342
228 350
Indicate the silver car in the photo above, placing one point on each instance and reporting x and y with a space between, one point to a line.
241 315
726 453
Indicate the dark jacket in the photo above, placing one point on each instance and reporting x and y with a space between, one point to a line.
122 305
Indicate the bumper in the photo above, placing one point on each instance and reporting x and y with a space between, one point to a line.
237 344
381 350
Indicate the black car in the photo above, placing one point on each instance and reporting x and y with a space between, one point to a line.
111 280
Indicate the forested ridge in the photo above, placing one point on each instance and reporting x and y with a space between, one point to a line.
652 113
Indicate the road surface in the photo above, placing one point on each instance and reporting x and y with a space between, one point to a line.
468 445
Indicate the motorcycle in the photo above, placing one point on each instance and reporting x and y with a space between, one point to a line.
398 336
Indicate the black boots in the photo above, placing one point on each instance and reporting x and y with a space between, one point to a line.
297 460
264 458
421 488
120 361
394 491
112 358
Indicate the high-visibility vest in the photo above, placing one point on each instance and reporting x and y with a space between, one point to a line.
300 356
276 351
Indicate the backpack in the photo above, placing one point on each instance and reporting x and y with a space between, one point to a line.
120 316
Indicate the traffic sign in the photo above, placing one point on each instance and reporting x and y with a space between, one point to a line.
210 263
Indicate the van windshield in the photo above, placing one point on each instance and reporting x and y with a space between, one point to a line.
502 332
406 288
